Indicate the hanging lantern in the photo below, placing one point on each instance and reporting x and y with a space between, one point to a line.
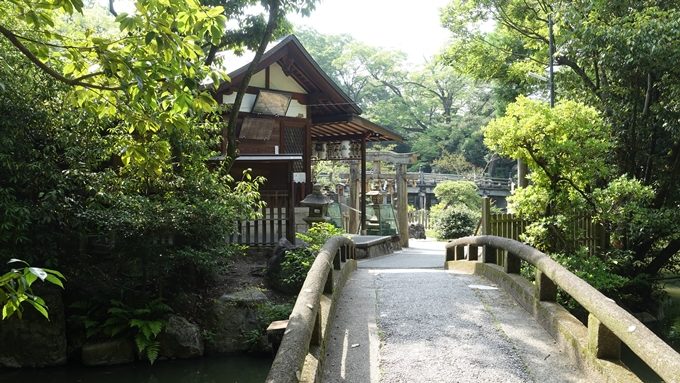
345 149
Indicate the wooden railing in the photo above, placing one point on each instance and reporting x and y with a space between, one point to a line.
302 349
276 220
608 324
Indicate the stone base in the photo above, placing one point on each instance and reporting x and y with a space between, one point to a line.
108 353
368 246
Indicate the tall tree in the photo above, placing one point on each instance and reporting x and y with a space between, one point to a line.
618 57
434 106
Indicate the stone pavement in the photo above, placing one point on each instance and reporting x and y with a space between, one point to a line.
402 318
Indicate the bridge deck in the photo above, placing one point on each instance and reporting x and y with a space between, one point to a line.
402 318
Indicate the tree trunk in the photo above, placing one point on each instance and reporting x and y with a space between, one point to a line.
229 132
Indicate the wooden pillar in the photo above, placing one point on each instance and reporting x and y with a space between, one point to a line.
353 197
402 204
362 196
290 207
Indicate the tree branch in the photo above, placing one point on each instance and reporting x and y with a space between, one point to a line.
111 9
563 60
47 69
663 257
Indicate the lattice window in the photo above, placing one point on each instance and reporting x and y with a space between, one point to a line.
294 140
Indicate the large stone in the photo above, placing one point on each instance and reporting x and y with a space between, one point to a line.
231 320
109 352
416 231
274 278
181 339
34 341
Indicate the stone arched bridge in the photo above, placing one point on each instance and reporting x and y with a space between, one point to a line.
456 313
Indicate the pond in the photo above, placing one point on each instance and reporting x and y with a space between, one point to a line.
672 288
218 369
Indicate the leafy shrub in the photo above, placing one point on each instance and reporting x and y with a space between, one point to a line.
592 269
189 269
15 288
267 313
318 234
454 223
296 263
295 266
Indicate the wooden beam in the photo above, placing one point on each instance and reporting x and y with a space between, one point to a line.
266 77
363 186
392 157
331 118
348 137
402 204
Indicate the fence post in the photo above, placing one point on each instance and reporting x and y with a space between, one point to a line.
547 290
512 264
489 251
472 253
451 254
601 341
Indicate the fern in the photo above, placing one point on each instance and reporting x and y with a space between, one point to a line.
143 324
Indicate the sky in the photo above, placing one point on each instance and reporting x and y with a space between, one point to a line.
410 26
406 25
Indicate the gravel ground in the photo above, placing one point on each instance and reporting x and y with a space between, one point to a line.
436 326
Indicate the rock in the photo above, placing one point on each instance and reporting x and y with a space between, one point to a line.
109 352
249 295
274 262
416 230
274 266
181 339
33 341
231 320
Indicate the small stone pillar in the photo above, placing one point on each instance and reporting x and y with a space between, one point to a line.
373 224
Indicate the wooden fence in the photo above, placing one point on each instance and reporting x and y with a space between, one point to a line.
584 231
276 220
421 216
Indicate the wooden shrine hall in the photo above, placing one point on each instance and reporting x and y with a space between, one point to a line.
293 113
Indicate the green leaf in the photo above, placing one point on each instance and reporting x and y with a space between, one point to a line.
149 37
38 272
40 307
54 280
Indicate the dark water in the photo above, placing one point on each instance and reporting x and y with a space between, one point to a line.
223 369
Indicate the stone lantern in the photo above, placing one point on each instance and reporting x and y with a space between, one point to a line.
373 224
318 206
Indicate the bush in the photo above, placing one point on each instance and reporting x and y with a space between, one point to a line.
295 266
318 234
454 223
296 262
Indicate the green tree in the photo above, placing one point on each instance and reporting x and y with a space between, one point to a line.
435 107
617 57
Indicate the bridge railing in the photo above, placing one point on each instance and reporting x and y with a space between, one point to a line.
302 347
608 323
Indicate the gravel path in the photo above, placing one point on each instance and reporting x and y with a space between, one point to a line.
436 326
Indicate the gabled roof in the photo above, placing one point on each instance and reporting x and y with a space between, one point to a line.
326 97
334 115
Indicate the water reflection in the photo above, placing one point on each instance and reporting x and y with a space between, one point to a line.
230 369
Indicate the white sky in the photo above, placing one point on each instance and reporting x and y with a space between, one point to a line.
406 25
410 26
